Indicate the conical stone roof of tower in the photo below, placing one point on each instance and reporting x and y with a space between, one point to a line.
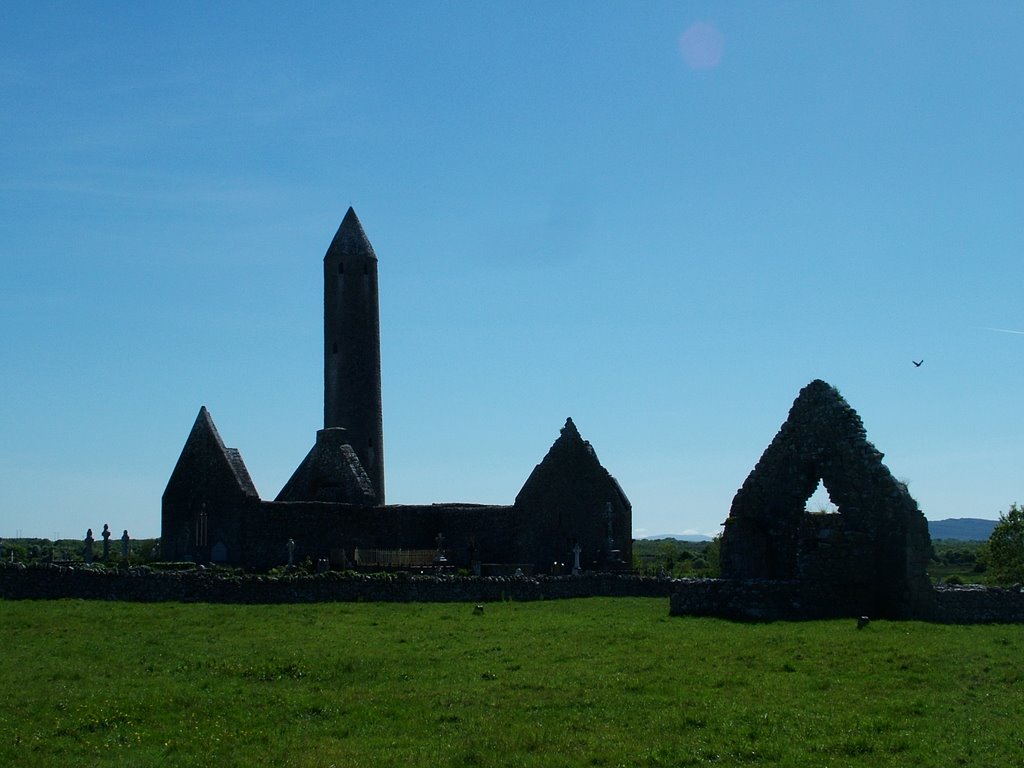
350 239
330 472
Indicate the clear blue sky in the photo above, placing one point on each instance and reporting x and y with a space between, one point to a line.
661 219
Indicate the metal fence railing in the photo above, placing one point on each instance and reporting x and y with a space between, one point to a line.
400 558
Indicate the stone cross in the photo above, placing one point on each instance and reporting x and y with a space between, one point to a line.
576 559
125 544
440 543
291 552
87 549
106 541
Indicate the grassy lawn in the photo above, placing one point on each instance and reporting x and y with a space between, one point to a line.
592 682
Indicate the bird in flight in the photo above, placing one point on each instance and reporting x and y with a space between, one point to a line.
917 363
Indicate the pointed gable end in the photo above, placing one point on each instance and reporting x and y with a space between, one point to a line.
207 467
569 469
571 499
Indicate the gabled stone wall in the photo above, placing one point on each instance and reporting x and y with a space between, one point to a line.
208 498
571 499
870 557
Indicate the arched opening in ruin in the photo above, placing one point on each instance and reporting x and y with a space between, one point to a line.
820 501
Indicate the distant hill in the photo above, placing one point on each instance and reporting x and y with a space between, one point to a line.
963 528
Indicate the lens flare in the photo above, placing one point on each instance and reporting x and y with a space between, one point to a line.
702 46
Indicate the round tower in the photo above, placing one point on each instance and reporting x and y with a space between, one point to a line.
352 391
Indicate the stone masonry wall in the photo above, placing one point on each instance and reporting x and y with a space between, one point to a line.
871 557
47 582
766 600
750 600
325 530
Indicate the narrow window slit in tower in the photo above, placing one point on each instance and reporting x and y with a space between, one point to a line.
334 348
366 269
341 268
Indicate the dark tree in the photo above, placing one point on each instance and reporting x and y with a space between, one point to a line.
1005 554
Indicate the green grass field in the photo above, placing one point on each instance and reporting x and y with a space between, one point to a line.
591 682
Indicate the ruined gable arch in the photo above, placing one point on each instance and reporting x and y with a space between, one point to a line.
869 556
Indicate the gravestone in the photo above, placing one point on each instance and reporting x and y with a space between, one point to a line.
219 553
87 548
439 558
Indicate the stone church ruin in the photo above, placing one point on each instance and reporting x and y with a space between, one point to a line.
332 509
780 560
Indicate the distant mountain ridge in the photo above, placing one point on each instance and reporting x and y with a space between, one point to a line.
963 528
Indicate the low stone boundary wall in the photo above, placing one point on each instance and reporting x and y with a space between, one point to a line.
761 600
970 604
750 600
743 600
49 582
